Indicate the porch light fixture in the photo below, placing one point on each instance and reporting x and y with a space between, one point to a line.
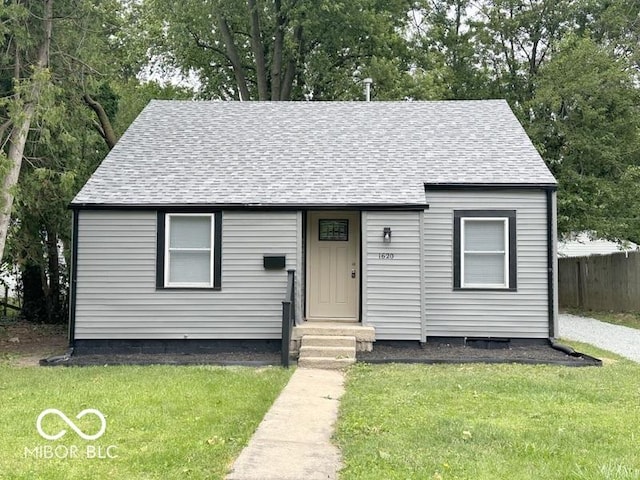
386 234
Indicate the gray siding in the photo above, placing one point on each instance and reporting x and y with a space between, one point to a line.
391 288
520 314
116 294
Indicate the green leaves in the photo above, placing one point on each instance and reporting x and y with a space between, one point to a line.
327 46
585 121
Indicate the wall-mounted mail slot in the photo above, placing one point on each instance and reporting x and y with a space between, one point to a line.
274 262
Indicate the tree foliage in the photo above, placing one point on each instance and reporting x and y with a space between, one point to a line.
279 49
586 123
569 69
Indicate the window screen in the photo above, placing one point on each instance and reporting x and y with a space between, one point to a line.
189 250
484 261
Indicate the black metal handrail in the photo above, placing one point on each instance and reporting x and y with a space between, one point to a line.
288 316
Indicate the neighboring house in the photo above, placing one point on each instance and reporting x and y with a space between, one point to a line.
420 219
585 244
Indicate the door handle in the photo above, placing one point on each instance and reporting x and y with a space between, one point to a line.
353 273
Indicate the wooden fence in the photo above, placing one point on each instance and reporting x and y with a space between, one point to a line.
600 282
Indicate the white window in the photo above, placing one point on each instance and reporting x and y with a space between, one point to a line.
189 250
484 261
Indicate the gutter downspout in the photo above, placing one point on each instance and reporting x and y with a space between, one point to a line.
550 262
73 281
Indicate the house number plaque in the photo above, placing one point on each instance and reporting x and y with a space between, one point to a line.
386 256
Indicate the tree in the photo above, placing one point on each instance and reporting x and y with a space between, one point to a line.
614 25
87 95
445 42
30 75
585 122
280 49
517 37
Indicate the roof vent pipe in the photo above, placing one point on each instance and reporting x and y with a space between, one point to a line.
367 89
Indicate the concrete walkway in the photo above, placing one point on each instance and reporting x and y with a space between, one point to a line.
622 340
293 442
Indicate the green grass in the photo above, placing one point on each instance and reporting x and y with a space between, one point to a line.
165 422
627 319
492 421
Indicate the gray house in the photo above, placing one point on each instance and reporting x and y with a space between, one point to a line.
409 220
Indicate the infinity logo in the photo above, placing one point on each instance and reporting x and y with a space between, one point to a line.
61 433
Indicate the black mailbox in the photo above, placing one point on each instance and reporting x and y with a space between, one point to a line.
274 262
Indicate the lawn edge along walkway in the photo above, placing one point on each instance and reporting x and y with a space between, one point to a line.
293 441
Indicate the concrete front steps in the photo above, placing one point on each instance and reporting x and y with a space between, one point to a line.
330 345
327 351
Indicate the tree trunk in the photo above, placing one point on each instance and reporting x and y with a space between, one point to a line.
106 129
234 58
276 63
258 51
287 84
18 137
34 307
54 307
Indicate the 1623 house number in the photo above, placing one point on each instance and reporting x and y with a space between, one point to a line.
386 256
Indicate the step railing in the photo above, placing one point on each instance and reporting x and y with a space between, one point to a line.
288 316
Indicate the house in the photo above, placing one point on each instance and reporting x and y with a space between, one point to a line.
584 244
418 221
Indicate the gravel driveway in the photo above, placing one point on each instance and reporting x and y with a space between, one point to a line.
624 341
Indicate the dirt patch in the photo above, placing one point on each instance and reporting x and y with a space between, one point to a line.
400 352
26 343
447 353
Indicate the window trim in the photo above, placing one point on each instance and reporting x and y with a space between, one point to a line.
163 254
510 252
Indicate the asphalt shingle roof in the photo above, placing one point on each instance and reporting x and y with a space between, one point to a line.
311 153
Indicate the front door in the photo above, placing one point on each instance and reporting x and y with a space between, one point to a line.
333 265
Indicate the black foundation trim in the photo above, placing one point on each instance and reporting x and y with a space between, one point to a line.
487 342
174 346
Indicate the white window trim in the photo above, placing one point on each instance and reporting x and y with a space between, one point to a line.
464 250
168 249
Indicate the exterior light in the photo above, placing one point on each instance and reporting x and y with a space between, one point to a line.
386 235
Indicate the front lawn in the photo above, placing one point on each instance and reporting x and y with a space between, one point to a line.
162 422
492 421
